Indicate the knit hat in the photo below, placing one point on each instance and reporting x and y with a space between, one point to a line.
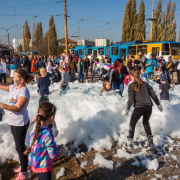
163 77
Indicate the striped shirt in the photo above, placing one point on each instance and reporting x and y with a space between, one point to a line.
43 152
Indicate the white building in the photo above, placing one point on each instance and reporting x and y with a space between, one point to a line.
101 42
17 41
86 42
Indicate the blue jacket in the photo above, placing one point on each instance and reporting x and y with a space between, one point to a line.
40 64
43 85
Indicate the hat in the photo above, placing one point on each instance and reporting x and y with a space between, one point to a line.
163 77
139 53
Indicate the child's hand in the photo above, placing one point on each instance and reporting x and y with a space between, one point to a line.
117 90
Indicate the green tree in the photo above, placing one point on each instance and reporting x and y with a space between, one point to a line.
161 36
27 35
157 23
52 30
140 29
39 33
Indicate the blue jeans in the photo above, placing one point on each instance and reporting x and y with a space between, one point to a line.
96 72
150 75
4 76
169 76
81 76
118 86
44 176
72 75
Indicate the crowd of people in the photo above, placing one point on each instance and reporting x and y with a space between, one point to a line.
42 148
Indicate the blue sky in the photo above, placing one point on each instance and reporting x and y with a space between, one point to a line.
95 18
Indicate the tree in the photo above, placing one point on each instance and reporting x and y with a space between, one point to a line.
161 36
140 29
112 42
179 35
126 22
39 32
156 24
52 30
34 33
27 35
19 48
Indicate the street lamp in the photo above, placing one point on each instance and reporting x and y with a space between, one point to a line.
8 31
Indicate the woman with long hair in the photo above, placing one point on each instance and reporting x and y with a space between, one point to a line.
117 76
18 117
140 93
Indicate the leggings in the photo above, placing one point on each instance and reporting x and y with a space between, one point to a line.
44 176
146 112
19 134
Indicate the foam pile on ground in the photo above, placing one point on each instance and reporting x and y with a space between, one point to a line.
85 117
60 173
102 162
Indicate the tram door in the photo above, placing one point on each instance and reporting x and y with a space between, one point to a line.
94 53
155 51
123 55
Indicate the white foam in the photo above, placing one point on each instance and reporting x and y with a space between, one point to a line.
60 173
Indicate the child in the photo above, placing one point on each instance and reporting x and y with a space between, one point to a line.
106 90
144 75
43 82
12 67
56 76
49 70
164 88
42 148
158 73
64 79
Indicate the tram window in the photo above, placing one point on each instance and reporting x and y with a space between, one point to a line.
132 50
114 51
101 51
174 49
35 53
80 51
165 49
89 51
142 49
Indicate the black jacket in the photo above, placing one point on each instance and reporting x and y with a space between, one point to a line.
142 97
115 76
136 62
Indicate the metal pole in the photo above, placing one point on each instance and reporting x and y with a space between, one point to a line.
78 36
8 37
152 20
23 41
66 34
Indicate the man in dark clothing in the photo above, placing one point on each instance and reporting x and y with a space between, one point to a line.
44 58
26 62
39 64
16 62
86 65
134 64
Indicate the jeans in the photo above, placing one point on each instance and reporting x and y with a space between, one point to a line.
86 72
136 115
178 76
72 75
96 72
169 76
19 134
4 76
150 75
44 176
118 86
81 76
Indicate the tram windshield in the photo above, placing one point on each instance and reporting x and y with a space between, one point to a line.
174 49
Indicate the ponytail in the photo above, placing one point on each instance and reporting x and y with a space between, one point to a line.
137 82
23 74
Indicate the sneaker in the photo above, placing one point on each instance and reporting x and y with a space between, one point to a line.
18 170
22 176
129 144
150 145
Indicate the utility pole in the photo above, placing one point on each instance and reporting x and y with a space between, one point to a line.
78 36
23 41
66 34
152 19
48 46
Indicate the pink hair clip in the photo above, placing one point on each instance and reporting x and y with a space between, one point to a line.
40 114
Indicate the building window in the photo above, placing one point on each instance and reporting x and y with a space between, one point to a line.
114 50
142 49
101 51
89 51
80 51
132 50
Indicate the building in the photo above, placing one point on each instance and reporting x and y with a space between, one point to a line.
101 42
61 42
86 42
17 41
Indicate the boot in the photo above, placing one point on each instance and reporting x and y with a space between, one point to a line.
129 144
150 144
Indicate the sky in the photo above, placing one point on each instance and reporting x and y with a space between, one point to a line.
95 18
